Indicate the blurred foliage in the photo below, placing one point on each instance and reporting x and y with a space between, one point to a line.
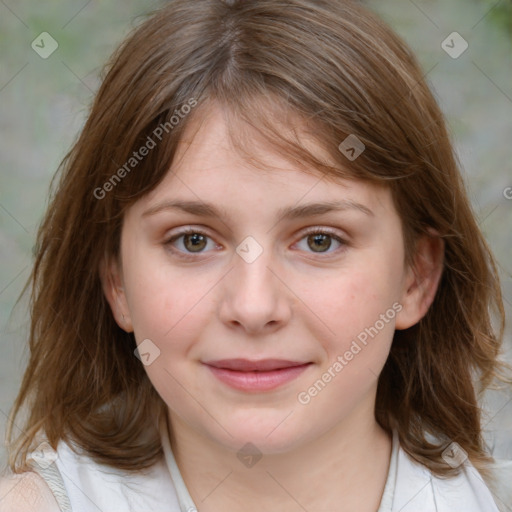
501 13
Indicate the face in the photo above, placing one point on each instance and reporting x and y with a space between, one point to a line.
265 277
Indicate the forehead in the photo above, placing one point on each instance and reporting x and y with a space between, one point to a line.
208 167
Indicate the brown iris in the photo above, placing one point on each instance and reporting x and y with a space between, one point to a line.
194 242
320 242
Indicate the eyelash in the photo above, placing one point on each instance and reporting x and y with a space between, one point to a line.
191 231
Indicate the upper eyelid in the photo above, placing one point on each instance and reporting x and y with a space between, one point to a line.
305 231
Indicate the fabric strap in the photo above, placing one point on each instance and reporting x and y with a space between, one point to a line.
53 478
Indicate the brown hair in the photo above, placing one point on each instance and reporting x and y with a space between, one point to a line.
339 70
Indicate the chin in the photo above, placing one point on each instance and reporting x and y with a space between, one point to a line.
268 435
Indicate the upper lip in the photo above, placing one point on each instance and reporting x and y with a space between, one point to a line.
247 365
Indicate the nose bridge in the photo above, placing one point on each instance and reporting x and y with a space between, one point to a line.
252 261
253 296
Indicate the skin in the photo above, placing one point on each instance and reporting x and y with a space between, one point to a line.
26 492
291 302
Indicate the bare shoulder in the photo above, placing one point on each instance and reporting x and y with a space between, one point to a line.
26 492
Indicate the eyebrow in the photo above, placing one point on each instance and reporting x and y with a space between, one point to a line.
203 209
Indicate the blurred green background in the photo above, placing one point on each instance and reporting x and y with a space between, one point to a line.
43 104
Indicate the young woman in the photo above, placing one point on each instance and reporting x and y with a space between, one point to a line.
259 284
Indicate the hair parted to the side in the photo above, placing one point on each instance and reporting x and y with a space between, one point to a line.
331 67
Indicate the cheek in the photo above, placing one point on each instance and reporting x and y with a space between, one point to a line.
170 315
170 309
358 309
163 300
355 319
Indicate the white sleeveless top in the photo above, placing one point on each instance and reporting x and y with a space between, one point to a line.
81 485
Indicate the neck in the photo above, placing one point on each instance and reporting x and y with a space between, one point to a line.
331 473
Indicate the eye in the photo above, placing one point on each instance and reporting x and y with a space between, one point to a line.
320 240
194 241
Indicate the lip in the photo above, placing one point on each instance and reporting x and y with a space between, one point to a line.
248 365
262 375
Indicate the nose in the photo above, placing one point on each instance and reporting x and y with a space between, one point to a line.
255 297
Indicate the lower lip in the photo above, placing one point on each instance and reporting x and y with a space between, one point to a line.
257 381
